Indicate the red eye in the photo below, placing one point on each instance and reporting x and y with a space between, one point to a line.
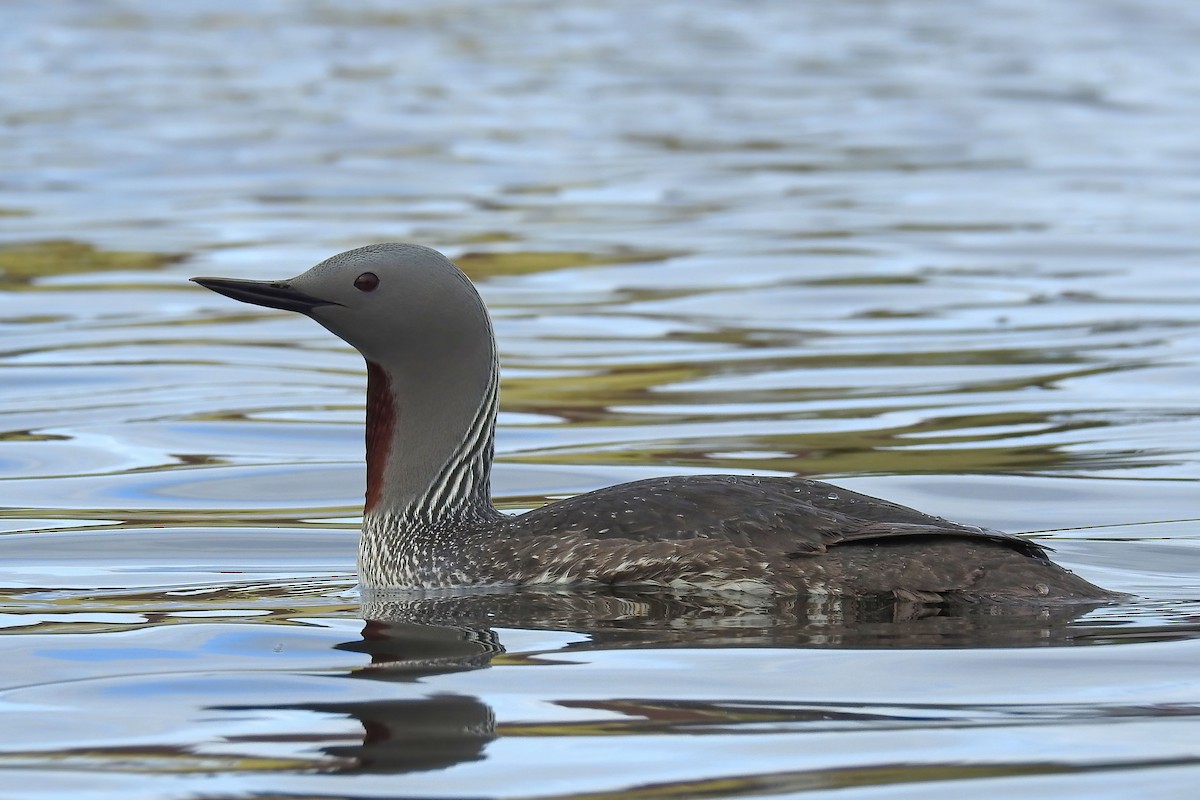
367 282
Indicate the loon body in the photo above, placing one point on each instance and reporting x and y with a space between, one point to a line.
429 521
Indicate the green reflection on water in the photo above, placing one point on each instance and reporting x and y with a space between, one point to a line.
23 263
480 265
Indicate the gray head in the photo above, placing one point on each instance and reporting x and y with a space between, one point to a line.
427 339
384 299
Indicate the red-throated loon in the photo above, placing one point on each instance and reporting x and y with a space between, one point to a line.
432 387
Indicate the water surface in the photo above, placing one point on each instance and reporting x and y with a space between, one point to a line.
938 252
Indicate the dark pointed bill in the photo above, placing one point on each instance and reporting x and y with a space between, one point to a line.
272 294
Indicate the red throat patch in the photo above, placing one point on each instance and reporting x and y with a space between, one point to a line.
381 425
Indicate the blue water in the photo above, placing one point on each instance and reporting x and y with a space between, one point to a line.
938 252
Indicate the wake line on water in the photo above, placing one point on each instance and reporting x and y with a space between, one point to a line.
1108 525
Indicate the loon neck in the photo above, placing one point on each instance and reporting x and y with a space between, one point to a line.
429 440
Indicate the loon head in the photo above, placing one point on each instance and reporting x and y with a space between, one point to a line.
431 363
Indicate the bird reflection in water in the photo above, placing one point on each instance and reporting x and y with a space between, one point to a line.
413 636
